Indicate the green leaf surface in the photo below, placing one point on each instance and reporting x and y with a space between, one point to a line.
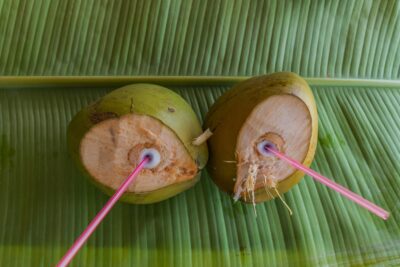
45 202
355 38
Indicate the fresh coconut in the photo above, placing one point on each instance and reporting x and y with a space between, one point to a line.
276 110
109 138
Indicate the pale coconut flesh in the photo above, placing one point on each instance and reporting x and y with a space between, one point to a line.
283 121
111 149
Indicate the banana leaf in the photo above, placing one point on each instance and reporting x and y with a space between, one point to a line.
355 38
45 202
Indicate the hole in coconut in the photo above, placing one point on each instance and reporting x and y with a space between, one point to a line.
153 157
263 148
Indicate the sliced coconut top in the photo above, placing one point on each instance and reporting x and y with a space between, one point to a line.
281 120
111 149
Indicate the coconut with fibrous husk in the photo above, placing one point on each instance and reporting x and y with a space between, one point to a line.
276 110
109 138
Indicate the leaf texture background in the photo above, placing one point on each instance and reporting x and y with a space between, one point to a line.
195 37
45 202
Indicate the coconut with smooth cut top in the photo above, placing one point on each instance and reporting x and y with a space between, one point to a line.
271 110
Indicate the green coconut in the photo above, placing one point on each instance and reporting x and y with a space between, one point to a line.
107 138
278 109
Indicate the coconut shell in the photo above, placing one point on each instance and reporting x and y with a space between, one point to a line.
159 103
228 119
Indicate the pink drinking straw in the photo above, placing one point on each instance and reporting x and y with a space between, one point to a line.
337 187
100 216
